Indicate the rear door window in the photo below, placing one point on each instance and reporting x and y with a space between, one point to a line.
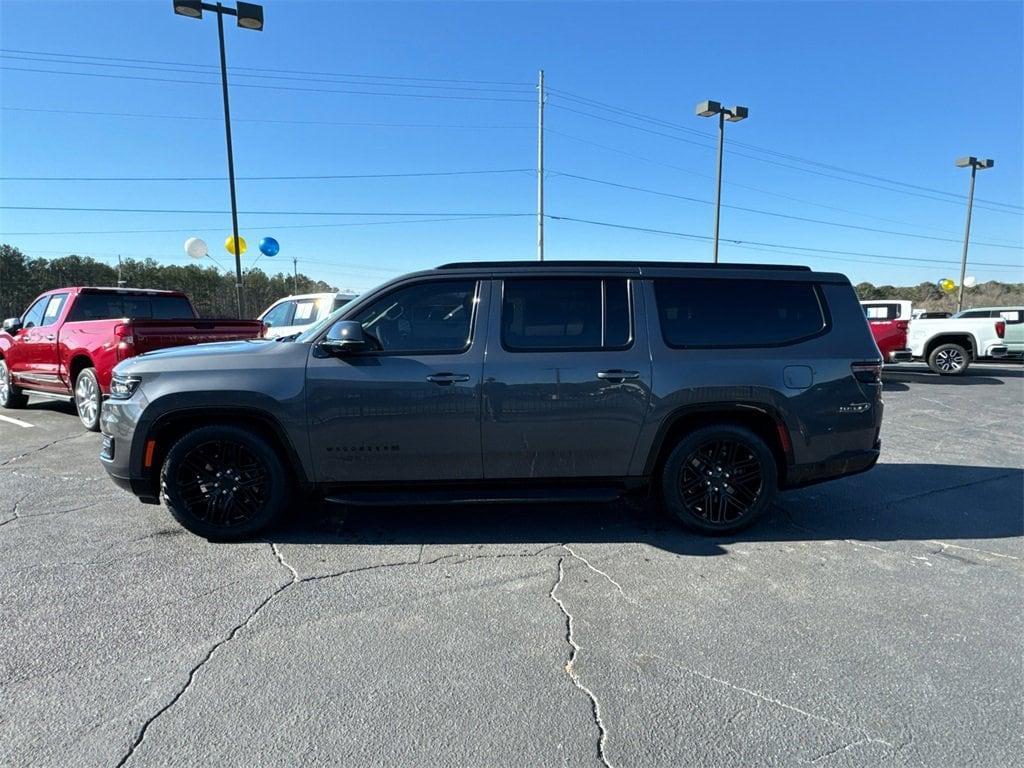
702 313
541 314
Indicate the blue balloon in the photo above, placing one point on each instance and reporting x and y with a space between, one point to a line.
269 246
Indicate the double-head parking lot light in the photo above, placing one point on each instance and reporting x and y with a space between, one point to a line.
733 115
249 16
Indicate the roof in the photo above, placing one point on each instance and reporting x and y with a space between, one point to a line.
595 264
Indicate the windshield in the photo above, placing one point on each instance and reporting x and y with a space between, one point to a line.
322 324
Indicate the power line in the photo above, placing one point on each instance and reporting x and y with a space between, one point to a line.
262 69
247 213
268 120
593 103
737 185
776 213
264 87
268 178
261 226
189 69
691 236
793 167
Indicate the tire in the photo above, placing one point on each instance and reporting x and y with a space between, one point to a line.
724 495
949 360
88 399
10 395
203 473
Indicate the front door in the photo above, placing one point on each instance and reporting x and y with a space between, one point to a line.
408 409
567 380
33 359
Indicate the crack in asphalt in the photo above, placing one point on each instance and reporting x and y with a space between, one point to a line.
141 735
597 570
14 511
570 668
837 750
44 447
760 696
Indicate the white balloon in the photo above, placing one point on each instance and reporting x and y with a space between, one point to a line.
196 248
970 282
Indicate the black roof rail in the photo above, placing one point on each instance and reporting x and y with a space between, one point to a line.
631 264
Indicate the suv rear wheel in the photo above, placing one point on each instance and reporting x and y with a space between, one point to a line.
223 483
949 360
719 479
10 395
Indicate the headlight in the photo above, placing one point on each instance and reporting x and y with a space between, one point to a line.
123 387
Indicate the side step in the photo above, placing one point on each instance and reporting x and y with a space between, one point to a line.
384 497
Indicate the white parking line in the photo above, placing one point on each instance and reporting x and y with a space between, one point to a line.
16 422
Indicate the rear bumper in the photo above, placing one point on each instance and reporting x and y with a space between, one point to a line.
851 463
900 356
996 350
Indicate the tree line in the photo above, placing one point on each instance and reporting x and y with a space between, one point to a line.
212 291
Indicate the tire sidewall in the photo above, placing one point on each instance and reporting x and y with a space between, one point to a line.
15 397
94 425
277 495
933 364
672 494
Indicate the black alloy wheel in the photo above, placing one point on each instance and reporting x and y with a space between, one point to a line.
223 483
719 479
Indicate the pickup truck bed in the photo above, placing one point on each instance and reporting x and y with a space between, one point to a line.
70 330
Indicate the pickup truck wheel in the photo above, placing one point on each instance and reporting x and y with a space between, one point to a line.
949 360
223 483
88 399
719 479
10 395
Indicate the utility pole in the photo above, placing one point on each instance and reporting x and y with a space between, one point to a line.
540 167
295 265
120 282
975 164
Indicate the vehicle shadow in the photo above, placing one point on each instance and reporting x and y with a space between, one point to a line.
969 379
892 502
46 404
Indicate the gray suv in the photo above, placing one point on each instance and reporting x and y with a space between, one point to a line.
713 386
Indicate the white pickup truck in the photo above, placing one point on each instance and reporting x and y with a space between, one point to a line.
949 345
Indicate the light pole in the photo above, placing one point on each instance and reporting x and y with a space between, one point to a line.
974 163
250 16
733 115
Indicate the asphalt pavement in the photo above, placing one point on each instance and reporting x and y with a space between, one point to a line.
872 621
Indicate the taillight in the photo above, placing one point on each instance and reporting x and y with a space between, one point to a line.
867 373
1001 329
126 341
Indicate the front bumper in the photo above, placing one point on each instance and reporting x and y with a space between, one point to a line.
118 419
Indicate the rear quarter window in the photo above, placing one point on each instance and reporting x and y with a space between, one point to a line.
702 313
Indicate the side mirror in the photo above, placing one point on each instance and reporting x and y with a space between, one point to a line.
344 336
12 325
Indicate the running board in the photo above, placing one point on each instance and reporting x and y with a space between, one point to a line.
444 497
48 395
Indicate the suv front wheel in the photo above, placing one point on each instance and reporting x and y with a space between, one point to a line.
223 483
719 479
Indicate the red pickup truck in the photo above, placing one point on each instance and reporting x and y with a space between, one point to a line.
889 320
68 341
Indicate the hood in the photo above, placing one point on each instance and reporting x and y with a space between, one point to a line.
250 353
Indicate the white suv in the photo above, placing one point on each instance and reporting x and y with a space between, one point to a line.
293 313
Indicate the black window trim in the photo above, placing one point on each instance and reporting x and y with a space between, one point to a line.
826 317
630 283
478 284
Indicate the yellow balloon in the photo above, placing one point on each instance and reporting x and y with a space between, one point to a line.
229 245
947 285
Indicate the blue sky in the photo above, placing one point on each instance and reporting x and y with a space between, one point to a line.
895 91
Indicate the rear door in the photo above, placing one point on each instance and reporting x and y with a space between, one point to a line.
567 378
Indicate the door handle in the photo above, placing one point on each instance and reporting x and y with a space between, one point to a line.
445 379
617 375
51 336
